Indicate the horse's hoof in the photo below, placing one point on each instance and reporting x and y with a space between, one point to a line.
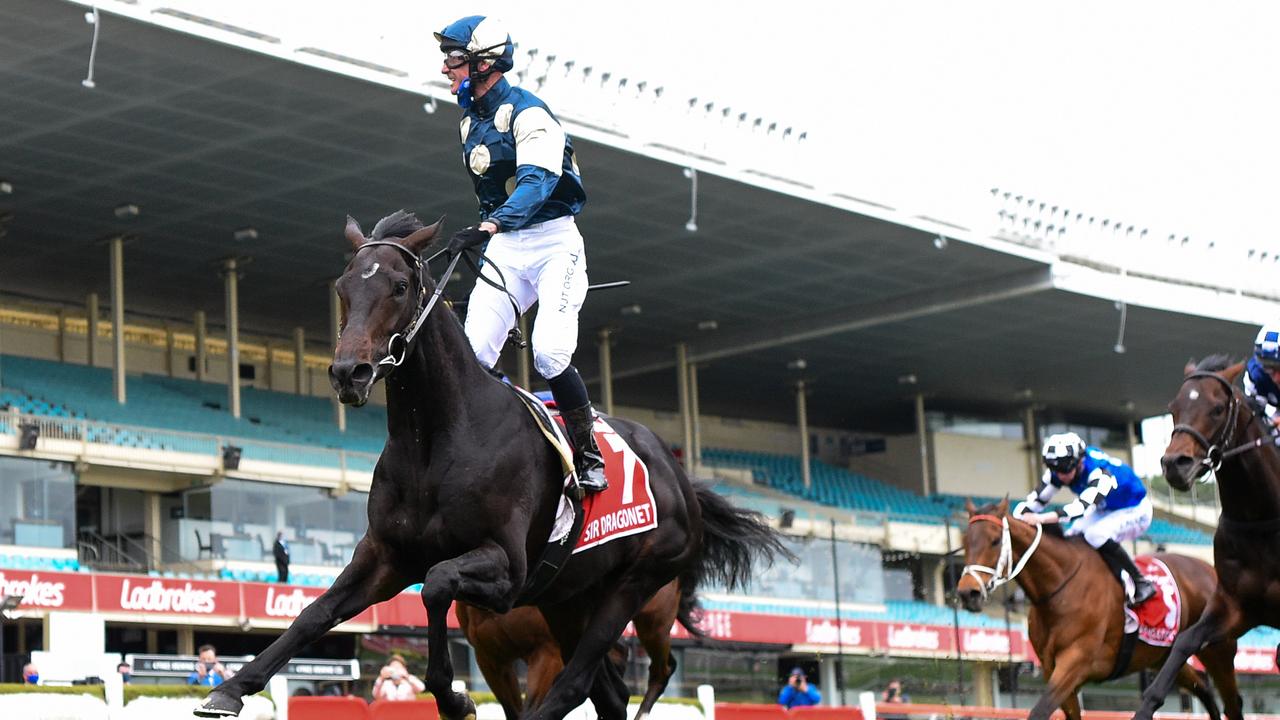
219 705
468 708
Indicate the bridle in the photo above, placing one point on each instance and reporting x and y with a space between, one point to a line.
1214 453
424 307
1005 569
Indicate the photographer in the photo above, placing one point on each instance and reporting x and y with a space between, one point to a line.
396 683
798 692
208 670
893 693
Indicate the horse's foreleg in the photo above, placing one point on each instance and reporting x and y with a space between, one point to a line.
1219 662
481 577
609 692
1221 621
1191 680
1071 706
1070 670
654 631
500 673
365 581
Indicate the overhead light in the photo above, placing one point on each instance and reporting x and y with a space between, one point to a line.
429 107
908 379
127 210
1024 394
231 457
940 242
631 309
245 234
797 364
10 603
6 187
706 325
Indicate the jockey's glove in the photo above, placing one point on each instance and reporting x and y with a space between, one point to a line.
467 238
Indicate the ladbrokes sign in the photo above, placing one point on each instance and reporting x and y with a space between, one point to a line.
48 591
166 596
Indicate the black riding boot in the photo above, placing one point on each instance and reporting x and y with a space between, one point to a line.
1116 557
586 456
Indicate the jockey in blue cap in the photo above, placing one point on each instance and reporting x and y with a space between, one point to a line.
526 180
1262 376
1112 505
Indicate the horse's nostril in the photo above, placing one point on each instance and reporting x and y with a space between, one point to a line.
362 373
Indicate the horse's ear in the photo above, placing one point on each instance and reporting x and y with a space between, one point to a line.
1189 368
1003 508
969 507
420 239
354 234
1233 373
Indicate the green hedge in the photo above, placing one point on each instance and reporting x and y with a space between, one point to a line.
94 690
133 692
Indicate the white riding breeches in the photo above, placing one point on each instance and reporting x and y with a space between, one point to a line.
1120 525
544 263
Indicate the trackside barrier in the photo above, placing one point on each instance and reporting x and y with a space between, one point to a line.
750 711
821 712
898 711
404 710
328 708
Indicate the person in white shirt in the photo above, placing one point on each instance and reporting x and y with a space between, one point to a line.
396 683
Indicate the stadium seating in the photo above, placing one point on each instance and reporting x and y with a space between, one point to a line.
39 563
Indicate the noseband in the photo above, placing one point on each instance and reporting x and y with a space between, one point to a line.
405 337
1214 450
1005 569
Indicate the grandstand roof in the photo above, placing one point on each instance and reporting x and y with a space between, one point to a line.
207 138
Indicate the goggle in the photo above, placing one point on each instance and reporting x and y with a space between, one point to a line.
1269 363
455 59
1061 465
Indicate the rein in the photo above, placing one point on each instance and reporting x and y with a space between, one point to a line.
1214 454
1005 569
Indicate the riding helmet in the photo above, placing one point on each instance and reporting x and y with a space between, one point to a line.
1266 347
480 38
1062 452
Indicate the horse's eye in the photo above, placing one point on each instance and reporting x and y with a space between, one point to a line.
995 542
400 288
1218 410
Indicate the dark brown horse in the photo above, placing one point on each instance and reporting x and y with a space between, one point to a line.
464 497
1214 429
522 634
1076 621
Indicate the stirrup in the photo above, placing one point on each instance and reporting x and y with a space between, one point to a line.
1139 596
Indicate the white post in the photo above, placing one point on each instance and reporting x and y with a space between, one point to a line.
231 277
91 332
335 325
201 338
696 425
299 359
682 386
278 686
1032 440
117 318
922 432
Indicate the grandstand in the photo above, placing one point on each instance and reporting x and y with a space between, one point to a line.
138 466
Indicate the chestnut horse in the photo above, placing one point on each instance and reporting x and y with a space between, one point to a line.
1214 429
522 634
1076 621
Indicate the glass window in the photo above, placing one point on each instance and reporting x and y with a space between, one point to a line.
856 565
37 503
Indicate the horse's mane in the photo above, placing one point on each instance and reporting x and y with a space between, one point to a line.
1214 363
398 224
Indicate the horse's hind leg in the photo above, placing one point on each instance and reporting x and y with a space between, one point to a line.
653 627
480 577
1219 662
1191 680
365 581
1222 621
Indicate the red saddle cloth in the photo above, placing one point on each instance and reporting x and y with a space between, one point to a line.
1156 619
627 506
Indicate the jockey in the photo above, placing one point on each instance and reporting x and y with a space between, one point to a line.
1112 504
526 180
1262 375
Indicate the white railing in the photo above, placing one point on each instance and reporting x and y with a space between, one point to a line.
108 443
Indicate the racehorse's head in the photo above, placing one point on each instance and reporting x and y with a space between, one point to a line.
981 544
1206 414
380 292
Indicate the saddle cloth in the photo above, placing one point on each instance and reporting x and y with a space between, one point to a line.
625 508
1156 620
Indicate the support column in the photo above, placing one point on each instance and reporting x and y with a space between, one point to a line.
606 370
117 318
1031 440
522 354
299 359
151 521
922 433
1131 438
231 276
335 324
186 640
682 391
168 349
269 366
802 421
91 331
695 423
202 349
62 335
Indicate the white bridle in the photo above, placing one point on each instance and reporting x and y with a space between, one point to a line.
1005 569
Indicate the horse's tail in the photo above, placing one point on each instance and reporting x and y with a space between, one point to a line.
733 539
